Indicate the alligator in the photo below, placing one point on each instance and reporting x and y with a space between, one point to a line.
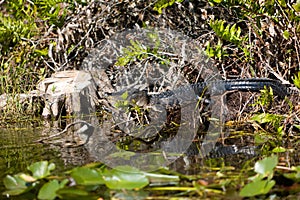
179 95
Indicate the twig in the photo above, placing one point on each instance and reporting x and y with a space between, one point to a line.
61 132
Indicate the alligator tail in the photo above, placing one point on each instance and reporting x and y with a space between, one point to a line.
255 85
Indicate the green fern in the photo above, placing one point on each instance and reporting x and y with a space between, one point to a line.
228 33
266 97
296 80
11 31
138 51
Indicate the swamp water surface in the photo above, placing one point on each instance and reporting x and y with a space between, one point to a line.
19 149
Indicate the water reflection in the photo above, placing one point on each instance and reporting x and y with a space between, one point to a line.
18 150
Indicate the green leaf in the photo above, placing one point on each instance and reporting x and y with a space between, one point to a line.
162 178
161 4
297 126
266 166
296 6
42 52
280 130
124 96
260 138
286 34
48 191
266 118
87 176
14 182
296 80
217 1
16 185
279 150
72 192
257 187
125 177
41 169
294 176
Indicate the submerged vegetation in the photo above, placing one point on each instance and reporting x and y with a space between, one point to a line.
244 38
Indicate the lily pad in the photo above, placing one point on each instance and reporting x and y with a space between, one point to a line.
41 169
125 177
87 176
15 185
257 188
265 167
48 191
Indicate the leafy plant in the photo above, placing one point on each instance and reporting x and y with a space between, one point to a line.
217 51
266 97
296 80
12 31
230 33
52 10
131 53
273 119
262 182
138 51
294 175
21 183
161 4
123 102
21 52
85 181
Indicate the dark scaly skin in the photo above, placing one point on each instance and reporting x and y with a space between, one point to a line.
178 95
219 87
222 151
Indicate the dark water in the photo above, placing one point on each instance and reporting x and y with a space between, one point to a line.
18 150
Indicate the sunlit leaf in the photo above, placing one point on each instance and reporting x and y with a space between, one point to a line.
279 150
27 178
280 130
266 165
124 96
296 80
257 187
41 169
286 34
125 177
162 178
15 185
87 176
48 191
266 118
296 6
161 4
